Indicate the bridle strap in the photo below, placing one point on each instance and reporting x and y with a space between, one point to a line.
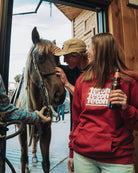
43 89
45 75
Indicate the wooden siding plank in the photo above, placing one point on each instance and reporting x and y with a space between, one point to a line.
136 20
84 24
130 39
115 21
88 18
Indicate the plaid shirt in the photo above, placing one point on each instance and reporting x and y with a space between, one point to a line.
10 111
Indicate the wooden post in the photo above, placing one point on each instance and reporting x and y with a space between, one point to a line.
5 31
2 147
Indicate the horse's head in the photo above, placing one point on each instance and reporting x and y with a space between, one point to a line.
41 72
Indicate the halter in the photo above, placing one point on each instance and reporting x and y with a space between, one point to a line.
43 88
45 75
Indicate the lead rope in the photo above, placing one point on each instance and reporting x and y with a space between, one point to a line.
43 89
45 99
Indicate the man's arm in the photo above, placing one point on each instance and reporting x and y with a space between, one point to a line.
64 80
70 87
61 73
9 111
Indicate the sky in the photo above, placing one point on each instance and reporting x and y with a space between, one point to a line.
55 27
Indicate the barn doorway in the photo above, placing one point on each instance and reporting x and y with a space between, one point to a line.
100 26
51 24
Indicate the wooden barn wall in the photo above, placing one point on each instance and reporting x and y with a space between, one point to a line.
123 24
85 26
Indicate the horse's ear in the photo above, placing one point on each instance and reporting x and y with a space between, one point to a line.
35 36
54 41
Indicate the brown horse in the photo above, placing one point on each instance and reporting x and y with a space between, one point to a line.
40 86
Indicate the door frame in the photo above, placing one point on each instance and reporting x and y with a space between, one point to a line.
5 37
6 22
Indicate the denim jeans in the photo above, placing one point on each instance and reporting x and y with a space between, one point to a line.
83 164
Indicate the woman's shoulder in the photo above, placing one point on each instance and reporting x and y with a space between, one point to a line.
79 81
80 78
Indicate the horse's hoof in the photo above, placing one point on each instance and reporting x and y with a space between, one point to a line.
27 170
34 160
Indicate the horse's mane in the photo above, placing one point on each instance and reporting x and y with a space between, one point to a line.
42 46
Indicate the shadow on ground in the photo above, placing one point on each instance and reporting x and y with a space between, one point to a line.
58 149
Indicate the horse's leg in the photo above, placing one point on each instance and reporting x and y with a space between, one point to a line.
45 138
24 151
34 148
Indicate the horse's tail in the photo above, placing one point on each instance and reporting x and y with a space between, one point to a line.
17 91
31 133
30 130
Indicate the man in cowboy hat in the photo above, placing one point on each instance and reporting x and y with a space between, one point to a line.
74 51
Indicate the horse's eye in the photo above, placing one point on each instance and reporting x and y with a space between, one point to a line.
40 58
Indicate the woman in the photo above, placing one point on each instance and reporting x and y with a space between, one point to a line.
101 140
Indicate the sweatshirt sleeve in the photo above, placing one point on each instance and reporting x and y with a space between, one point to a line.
130 114
76 109
9 111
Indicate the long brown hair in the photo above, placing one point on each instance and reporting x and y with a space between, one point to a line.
108 57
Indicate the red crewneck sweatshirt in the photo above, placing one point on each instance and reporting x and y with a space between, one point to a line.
98 132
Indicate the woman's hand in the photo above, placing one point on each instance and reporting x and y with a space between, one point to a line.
55 50
70 165
118 97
